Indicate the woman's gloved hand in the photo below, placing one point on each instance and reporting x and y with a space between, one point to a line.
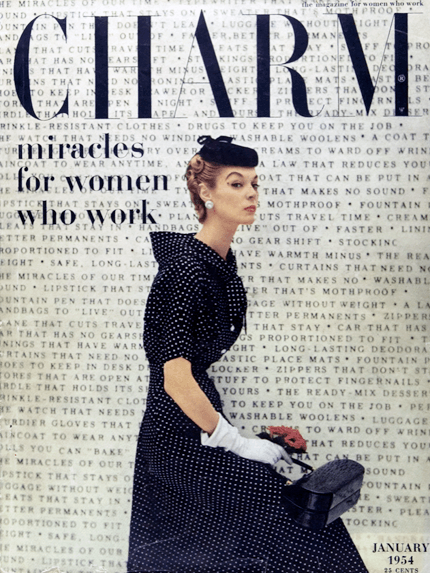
227 436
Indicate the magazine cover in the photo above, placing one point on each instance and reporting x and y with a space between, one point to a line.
322 108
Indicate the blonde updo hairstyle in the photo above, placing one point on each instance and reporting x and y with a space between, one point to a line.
200 171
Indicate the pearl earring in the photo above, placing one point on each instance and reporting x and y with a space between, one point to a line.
209 205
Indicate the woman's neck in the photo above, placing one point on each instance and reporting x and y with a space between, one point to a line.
217 239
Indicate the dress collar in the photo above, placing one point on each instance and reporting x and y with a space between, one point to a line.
168 246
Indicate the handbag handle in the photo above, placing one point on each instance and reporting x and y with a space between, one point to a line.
280 442
302 464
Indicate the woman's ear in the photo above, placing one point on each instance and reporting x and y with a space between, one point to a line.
205 194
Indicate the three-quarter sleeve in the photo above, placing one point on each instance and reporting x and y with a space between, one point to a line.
171 310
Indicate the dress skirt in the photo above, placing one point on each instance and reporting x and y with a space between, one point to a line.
198 509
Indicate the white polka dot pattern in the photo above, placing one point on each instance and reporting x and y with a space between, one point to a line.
197 509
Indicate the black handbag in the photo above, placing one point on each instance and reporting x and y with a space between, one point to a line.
324 494
320 497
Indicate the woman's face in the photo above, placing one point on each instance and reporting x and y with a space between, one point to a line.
235 195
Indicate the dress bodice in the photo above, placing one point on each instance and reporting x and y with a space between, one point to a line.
197 303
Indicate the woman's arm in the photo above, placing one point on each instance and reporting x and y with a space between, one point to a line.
180 385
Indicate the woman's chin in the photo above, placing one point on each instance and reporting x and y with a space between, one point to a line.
249 217
246 219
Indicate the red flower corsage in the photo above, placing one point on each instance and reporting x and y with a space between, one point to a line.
292 439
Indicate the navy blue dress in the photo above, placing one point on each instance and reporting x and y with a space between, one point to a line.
198 509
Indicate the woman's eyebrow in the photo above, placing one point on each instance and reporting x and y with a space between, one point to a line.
234 173
255 178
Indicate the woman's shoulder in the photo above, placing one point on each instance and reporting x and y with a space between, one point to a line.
183 265
180 279
183 272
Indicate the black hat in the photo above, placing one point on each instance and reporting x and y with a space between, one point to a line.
222 151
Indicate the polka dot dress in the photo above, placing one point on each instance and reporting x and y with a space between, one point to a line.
198 509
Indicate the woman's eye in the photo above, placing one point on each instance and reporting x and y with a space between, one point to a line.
236 185
256 186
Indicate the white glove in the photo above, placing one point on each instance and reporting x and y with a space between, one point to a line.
227 436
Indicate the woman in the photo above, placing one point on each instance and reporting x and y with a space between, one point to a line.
205 498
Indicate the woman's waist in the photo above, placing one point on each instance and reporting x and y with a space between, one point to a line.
158 398
200 374
158 395
196 368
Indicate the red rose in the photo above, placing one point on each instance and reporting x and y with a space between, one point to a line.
290 436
